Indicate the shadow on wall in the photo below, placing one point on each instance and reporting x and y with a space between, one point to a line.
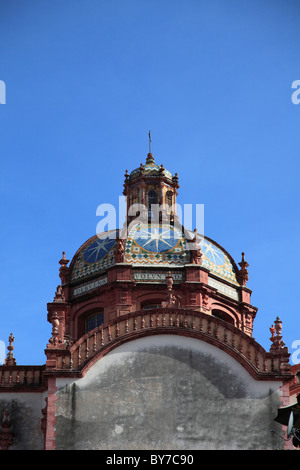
156 393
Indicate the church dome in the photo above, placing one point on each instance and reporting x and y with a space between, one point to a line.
94 256
151 242
150 245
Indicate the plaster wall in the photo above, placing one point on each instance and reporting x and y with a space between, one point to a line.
167 392
25 412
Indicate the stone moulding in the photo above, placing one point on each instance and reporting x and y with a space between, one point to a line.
77 359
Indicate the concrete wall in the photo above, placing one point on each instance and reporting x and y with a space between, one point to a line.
25 415
167 392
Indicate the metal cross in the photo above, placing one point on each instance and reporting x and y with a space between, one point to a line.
149 141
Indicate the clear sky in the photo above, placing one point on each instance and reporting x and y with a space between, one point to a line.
86 80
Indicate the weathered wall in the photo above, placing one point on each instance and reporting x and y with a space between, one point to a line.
167 392
25 412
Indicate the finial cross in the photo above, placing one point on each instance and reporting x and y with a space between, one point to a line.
149 133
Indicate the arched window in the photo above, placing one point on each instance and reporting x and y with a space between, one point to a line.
152 199
169 198
222 315
134 197
152 305
94 320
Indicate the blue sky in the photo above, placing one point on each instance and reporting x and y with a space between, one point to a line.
86 80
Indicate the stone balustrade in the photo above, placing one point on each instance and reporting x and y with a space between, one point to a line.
221 334
76 359
24 376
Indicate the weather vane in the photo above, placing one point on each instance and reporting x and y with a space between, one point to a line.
149 141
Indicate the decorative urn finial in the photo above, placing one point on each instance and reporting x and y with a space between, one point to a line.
10 360
243 272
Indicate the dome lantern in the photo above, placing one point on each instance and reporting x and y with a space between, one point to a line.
151 188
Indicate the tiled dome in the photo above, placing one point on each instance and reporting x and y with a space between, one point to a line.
150 246
94 256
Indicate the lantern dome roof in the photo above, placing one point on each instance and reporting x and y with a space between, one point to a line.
150 169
